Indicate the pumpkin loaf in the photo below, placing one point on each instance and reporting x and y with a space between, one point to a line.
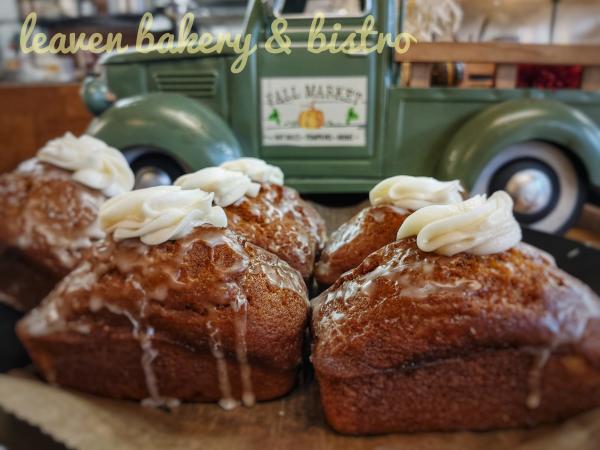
392 201
264 211
190 311
278 220
49 218
369 230
50 208
471 336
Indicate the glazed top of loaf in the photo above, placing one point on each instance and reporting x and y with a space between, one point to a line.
182 291
367 231
278 220
48 215
403 307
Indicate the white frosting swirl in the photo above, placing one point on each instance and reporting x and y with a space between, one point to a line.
257 169
478 225
159 214
93 163
415 192
228 186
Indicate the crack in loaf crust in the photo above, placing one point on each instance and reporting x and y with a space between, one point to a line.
204 318
366 232
412 341
49 222
280 221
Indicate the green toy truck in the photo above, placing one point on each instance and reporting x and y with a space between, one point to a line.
339 123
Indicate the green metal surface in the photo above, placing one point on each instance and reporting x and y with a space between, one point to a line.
424 123
172 123
202 79
446 132
500 126
132 56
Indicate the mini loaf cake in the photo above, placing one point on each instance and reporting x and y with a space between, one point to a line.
462 327
264 211
392 200
172 307
50 208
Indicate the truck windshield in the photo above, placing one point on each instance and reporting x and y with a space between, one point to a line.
330 8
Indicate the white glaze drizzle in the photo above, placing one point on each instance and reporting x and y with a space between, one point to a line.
540 359
48 232
558 284
227 402
135 261
350 231
301 232
240 306
568 327
143 334
279 274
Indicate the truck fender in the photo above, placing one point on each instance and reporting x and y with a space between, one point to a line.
188 131
515 121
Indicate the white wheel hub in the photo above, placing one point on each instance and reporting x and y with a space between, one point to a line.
150 176
531 189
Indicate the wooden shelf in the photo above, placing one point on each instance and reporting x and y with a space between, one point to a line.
34 114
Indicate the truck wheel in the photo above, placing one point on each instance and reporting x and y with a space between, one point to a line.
543 181
153 169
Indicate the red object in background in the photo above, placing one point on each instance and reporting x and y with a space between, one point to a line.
549 77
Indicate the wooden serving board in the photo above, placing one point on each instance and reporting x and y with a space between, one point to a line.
294 422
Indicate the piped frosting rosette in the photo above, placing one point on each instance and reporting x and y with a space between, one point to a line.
413 193
93 163
228 186
479 226
257 169
158 214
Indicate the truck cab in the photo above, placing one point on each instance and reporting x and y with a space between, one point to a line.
339 122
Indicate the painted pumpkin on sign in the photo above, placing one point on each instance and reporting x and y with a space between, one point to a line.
311 118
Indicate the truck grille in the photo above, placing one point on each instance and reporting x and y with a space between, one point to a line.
192 84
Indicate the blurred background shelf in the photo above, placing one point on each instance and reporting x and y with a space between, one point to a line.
34 113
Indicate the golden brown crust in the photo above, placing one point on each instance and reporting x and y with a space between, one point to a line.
482 391
404 311
48 216
49 220
94 366
278 220
369 230
168 313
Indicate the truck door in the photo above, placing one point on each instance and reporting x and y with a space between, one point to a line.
319 113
